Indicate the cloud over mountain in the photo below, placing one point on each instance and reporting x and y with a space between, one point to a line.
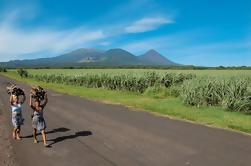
148 24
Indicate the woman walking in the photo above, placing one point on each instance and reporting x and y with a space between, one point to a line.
38 122
16 111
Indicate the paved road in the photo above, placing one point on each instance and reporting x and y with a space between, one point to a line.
89 133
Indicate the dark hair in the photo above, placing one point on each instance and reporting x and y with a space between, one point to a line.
37 100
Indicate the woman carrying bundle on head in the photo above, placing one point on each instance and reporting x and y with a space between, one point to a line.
38 122
16 110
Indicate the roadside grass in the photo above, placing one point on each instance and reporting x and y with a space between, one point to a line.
168 106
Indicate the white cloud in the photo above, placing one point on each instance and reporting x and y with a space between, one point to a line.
165 42
147 24
184 48
16 41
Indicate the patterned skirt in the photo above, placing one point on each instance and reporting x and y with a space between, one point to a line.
38 121
17 119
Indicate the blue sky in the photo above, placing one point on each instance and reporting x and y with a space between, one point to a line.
197 32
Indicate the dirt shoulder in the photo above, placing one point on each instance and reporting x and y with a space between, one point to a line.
6 152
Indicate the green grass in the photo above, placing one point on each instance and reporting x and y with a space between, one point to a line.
170 106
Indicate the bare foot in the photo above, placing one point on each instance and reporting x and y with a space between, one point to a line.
46 145
35 141
18 138
14 136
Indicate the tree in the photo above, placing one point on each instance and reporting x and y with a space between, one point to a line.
3 69
22 72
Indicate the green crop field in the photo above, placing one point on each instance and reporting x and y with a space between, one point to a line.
229 89
216 97
222 73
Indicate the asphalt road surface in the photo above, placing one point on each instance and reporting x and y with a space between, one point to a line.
89 133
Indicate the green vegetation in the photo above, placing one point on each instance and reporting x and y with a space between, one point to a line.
22 72
157 98
230 90
91 65
3 69
230 93
78 72
127 82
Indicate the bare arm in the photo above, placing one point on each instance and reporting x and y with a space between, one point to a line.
11 99
30 103
46 100
24 98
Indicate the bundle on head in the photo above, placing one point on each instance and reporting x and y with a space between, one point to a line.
14 90
38 93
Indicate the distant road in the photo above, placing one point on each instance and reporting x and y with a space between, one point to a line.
89 133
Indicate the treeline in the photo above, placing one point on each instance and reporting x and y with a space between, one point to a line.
181 67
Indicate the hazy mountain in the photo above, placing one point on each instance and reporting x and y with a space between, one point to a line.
94 57
73 58
152 57
80 55
120 57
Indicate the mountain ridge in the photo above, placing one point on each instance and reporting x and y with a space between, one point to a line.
91 56
153 57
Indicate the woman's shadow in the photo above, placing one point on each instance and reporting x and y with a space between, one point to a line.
77 134
62 138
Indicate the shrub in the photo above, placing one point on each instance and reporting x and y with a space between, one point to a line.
22 73
3 69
